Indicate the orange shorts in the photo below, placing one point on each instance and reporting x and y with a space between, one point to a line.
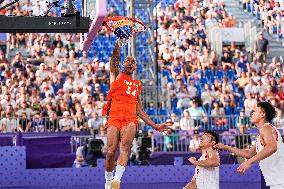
121 119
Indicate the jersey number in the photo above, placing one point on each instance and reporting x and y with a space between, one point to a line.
128 91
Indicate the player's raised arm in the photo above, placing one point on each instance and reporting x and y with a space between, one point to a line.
114 63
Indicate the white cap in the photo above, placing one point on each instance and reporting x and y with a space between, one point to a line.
76 62
48 92
95 60
101 64
66 113
21 82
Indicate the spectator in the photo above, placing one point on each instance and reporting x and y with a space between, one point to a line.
207 97
183 97
17 62
97 91
95 123
261 48
8 100
9 124
197 113
242 65
102 74
25 109
80 160
192 90
81 122
49 58
255 65
66 123
177 69
102 135
278 121
243 140
280 93
242 120
24 123
85 58
194 142
218 115
242 82
186 123
52 124
226 61
38 124
101 102
176 121
249 104
278 72
112 12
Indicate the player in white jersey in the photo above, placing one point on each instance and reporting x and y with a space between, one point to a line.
268 150
207 166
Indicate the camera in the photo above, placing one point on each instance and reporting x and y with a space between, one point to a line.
144 142
95 145
93 151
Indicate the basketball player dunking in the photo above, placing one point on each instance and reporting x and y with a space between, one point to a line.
269 148
123 107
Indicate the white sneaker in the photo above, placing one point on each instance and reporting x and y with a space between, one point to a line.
107 186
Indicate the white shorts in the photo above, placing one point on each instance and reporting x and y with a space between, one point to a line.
281 186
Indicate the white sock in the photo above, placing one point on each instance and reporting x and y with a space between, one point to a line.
119 172
108 177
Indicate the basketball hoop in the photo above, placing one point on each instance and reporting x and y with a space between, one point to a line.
124 27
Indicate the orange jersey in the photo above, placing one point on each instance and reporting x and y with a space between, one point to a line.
123 95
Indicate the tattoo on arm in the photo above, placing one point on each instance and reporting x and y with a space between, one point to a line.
115 60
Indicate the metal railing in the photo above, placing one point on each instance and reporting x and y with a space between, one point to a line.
77 141
188 142
45 124
71 124
179 141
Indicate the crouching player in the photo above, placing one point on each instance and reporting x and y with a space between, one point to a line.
207 166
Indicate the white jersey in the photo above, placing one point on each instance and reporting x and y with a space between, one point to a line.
272 167
206 177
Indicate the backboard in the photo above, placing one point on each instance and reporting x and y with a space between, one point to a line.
97 10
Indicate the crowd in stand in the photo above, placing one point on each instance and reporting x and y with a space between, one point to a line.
203 85
271 14
54 88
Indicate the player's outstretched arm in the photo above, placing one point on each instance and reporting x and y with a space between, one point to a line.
158 127
270 148
238 152
114 63
213 160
